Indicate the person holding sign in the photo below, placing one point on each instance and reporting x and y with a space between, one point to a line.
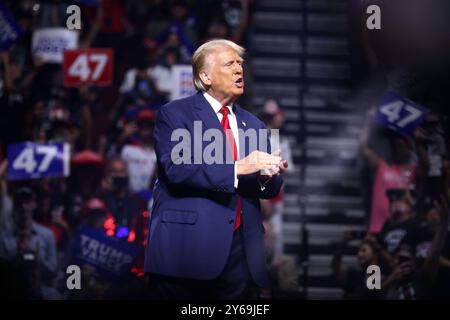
397 173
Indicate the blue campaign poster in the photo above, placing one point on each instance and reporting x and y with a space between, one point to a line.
111 257
31 160
400 114
9 29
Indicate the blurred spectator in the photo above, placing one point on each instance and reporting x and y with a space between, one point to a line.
430 224
430 137
31 243
95 214
273 117
230 21
236 13
281 266
162 71
401 221
405 282
140 157
422 242
86 109
352 280
177 31
12 101
89 30
146 83
398 172
113 16
6 201
51 13
409 280
218 28
84 182
50 211
124 206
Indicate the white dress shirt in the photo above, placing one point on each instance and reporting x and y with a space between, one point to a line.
216 105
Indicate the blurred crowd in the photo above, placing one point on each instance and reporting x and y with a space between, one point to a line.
109 129
407 233
406 175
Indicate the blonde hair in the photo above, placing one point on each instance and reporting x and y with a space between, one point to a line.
200 55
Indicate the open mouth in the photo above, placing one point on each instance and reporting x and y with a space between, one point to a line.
239 83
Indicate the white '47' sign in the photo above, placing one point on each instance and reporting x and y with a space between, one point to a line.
88 66
34 160
400 114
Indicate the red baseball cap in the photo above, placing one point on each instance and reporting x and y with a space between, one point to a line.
87 157
146 115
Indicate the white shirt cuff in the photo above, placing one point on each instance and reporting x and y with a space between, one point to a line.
236 180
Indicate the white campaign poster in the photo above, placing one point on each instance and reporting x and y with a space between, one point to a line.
182 82
50 43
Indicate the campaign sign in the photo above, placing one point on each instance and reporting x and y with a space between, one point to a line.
182 82
400 114
112 258
49 44
9 29
88 66
36 160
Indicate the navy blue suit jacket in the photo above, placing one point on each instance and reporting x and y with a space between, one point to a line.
192 218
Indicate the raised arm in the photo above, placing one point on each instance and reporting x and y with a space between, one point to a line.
431 265
339 270
371 156
422 155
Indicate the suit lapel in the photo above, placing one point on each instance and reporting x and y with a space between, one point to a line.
206 113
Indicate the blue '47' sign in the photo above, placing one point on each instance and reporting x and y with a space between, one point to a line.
9 29
400 114
35 160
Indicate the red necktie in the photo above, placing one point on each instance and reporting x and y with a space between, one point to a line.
232 145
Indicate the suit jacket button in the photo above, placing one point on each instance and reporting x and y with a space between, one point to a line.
231 221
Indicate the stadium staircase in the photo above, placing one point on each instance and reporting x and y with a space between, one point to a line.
300 56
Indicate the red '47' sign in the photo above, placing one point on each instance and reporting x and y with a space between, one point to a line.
88 66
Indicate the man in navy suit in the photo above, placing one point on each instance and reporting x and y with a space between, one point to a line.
206 233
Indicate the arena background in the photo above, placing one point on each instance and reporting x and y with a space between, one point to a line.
312 67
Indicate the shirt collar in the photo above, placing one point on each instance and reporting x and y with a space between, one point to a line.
216 105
